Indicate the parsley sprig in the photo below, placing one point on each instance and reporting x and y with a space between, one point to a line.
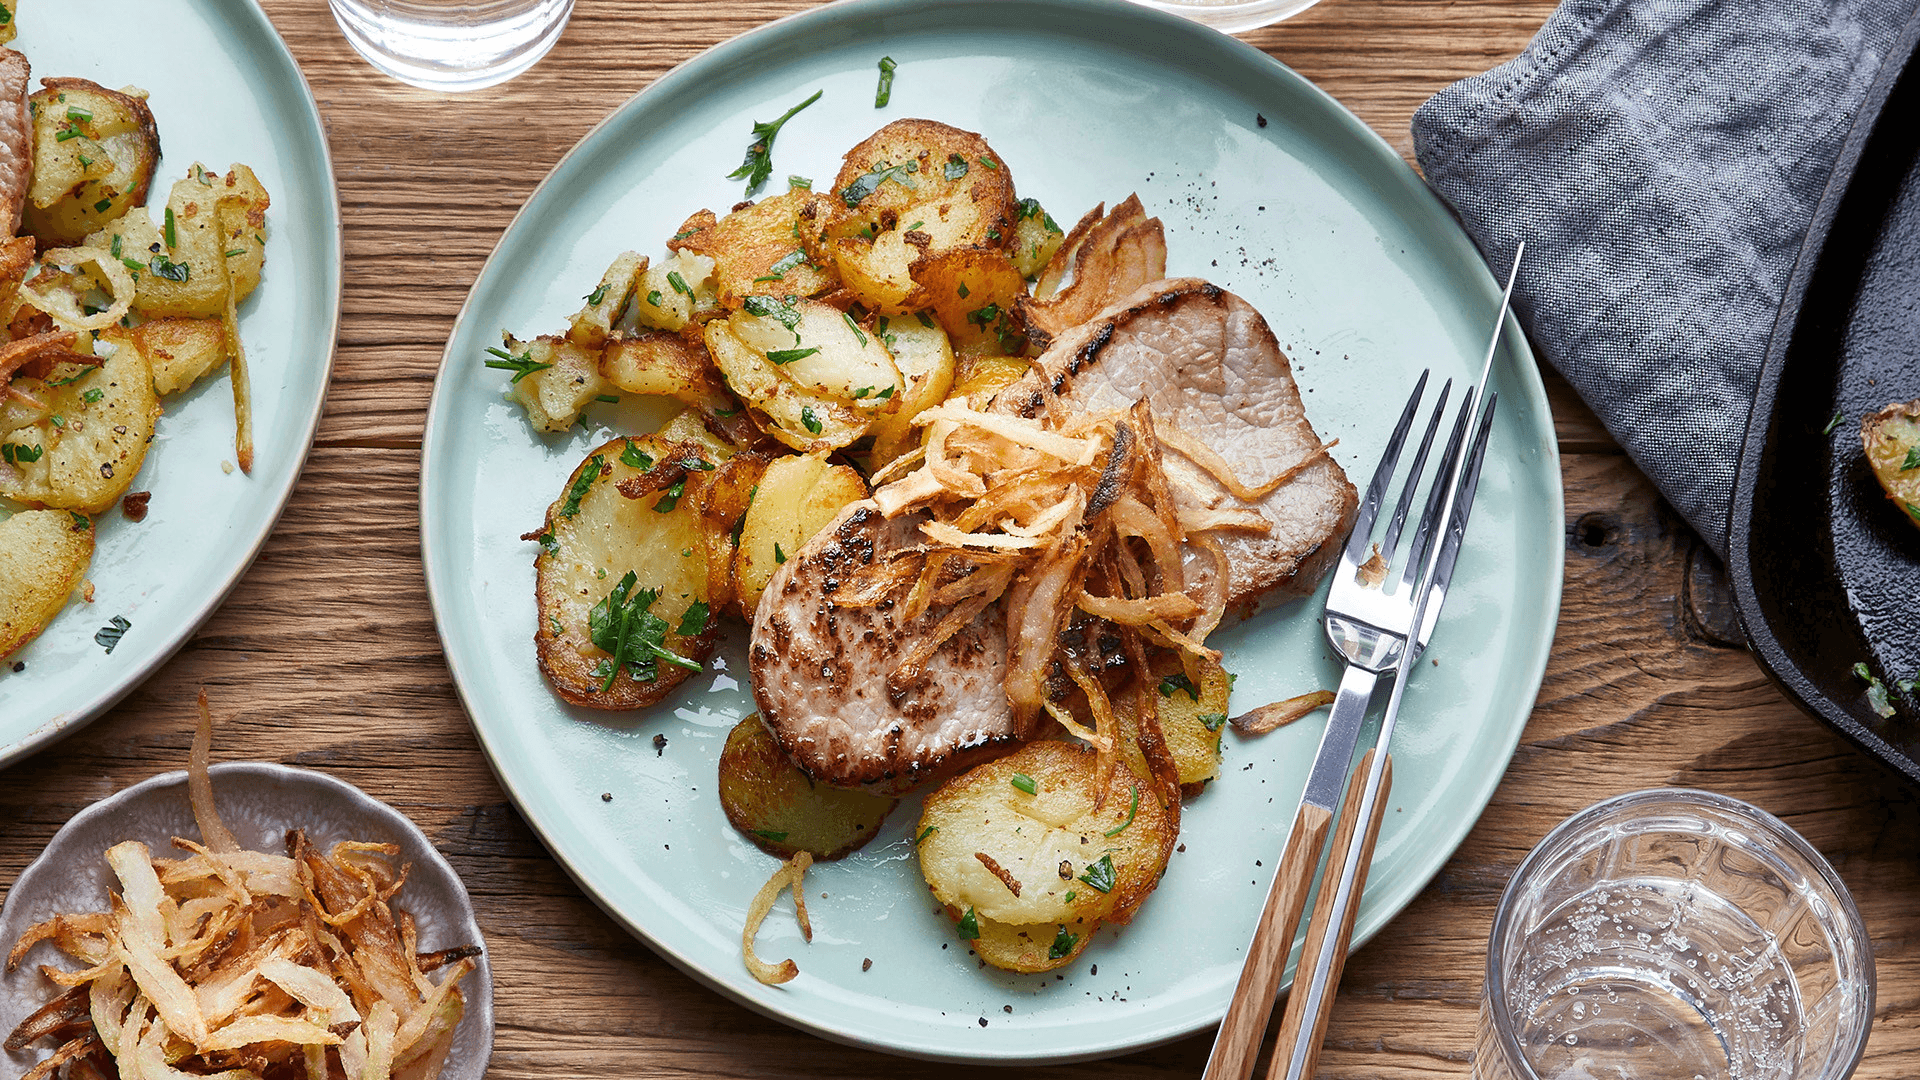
758 164
623 626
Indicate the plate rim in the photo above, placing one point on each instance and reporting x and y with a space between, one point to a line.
276 771
95 706
847 12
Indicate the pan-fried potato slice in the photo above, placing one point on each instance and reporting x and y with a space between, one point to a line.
821 349
553 394
182 264
757 251
657 362
912 190
1892 440
722 505
179 351
594 536
781 809
1191 717
43 556
94 154
803 419
87 448
926 364
675 291
972 294
608 301
1026 949
1051 842
1036 237
796 498
979 377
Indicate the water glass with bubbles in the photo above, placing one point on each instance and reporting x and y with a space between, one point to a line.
1674 935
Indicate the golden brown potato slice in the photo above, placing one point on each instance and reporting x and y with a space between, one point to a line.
757 250
1026 949
658 362
210 242
914 189
240 219
781 809
608 301
722 505
1191 717
801 418
972 294
593 539
179 351
1892 440
673 292
85 449
554 379
94 154
1036 238
925 359
1019 840
795 498
821 349
43 556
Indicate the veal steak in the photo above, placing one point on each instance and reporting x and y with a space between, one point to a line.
1213 369
16 139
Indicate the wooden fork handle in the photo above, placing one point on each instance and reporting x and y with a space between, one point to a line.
1245 1024
1294 1025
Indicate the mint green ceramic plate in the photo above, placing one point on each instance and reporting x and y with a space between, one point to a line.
224 90
1266 186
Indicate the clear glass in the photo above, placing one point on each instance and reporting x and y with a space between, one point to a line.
452 44
1232 16
1674 934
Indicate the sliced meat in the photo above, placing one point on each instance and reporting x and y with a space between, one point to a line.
1215 372
819 671
16 139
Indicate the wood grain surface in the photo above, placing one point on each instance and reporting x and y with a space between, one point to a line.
326 655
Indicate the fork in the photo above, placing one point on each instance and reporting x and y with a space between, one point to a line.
1371 628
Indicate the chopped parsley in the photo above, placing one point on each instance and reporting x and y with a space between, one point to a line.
109 635
885 393
769 308
969 928
795 180
956 167
984 316
811 421
758 164
962 290
1212 721
679 283
633 456
695 620
163 267
770 836
1131 811
653 297
611 399
779 270
1063 944
779 556
884 92
925 320
81 522
578 489
552 547
855 327
522 365
1100 875
866 185
103 206
672 498
788 356
1913 458
623 626
1833 423
1178 682
1024 783
1877 699
20 453
598 294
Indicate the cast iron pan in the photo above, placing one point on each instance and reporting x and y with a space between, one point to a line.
1826 570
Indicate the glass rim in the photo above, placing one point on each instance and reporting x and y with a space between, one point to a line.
1848 918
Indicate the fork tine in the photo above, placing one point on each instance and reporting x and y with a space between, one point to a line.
1356 552
1436 498
1392 538
1457 528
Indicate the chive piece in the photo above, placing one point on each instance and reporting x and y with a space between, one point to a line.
1024 783
172 242
925 320
103 206
598 294
554 624
915 227
1131 810
1833 423
989 163
796 257
884 92
93 395
162 267
236 251
768 307
795 180
758 164
653 297
67 133
114 247
522 365
679 283
788 356
110 634
924 833
855 327
1913 458
770 836
969 928
611 399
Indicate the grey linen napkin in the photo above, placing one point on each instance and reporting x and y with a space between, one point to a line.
1662 160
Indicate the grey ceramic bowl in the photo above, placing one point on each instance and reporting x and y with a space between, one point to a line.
258 802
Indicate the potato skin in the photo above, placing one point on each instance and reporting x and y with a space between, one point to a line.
43 556
777 807
1892 439
585 554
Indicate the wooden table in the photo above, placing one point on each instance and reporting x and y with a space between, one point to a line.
326 656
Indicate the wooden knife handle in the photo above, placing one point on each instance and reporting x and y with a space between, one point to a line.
1245 1025
1294 1026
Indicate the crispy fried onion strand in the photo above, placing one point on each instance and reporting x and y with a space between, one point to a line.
1023 511
791 874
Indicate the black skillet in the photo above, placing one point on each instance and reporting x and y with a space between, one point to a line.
1825 569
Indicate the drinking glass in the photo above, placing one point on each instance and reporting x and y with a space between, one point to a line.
1678 935
452 44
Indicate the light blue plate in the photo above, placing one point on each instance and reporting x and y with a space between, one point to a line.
224 90
1308 214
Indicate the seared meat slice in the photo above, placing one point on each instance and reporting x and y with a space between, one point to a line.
16 139
819 671
1214 372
